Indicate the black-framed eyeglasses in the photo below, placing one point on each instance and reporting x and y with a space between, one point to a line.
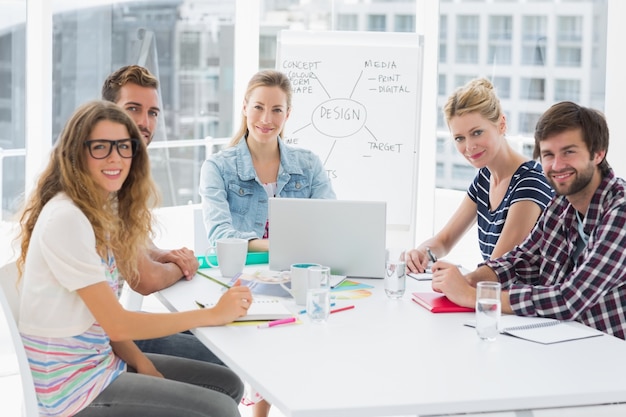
102 148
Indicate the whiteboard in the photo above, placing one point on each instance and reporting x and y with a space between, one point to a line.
356 104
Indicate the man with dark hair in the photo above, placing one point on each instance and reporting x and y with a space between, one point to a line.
135 89
572 265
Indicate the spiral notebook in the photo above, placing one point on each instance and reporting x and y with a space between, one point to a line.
542 329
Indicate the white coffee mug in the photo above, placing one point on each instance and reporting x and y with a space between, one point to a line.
299 281
231 255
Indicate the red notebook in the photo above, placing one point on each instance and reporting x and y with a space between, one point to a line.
438 303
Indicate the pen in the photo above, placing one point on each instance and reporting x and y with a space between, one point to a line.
276 323
431 255
215 280
304 311
337 310
338 284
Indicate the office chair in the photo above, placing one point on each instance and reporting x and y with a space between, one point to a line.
9 309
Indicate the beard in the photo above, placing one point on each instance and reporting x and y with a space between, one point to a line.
582 178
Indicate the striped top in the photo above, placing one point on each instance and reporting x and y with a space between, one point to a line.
69 372
527 184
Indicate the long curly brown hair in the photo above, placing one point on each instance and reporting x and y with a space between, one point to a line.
122 222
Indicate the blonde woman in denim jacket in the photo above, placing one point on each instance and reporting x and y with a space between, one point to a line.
237 182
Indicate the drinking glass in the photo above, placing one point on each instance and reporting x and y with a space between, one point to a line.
488 309
318 294
395 279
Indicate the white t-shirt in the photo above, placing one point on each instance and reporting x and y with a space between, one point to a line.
61 259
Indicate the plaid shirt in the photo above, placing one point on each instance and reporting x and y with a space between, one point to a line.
543 279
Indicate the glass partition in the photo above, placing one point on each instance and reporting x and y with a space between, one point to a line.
12 105
554 50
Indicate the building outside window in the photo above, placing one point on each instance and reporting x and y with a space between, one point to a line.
527 122
503 87
532 89
347 22
567 90
568 56
534 37
190 44
377 23
404 23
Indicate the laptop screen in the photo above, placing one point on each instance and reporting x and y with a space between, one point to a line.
348 236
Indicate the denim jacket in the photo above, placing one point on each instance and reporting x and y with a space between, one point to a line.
235 204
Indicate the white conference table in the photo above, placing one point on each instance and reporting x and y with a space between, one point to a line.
392 357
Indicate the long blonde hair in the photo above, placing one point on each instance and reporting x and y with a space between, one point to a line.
266 78
121 222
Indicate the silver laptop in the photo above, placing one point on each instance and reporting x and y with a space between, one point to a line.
348 236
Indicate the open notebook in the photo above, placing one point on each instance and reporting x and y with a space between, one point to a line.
261 309
542 329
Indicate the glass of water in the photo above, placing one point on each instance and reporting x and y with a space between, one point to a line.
318 304
318 294
395 279
488 309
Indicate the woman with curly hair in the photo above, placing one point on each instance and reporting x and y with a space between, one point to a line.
92 202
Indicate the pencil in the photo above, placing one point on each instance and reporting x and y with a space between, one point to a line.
215 280
337 310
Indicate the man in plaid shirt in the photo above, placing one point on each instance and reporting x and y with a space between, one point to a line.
572 266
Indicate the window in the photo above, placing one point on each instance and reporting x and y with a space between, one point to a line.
532 89
569 28
467 54
443 52
186 46
527 123
534 28
267 50
347 22
542 36
468 28
568 56
467 39
404 23
500 28
500 54
443 28
503 87
462 172
190 50
12 110
460 80
567 90
500 36
443 38
441 145
377 23
440 170
443 89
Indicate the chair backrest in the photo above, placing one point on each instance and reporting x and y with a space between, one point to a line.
9 313
130 299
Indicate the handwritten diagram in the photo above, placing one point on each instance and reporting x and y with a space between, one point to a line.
356 106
